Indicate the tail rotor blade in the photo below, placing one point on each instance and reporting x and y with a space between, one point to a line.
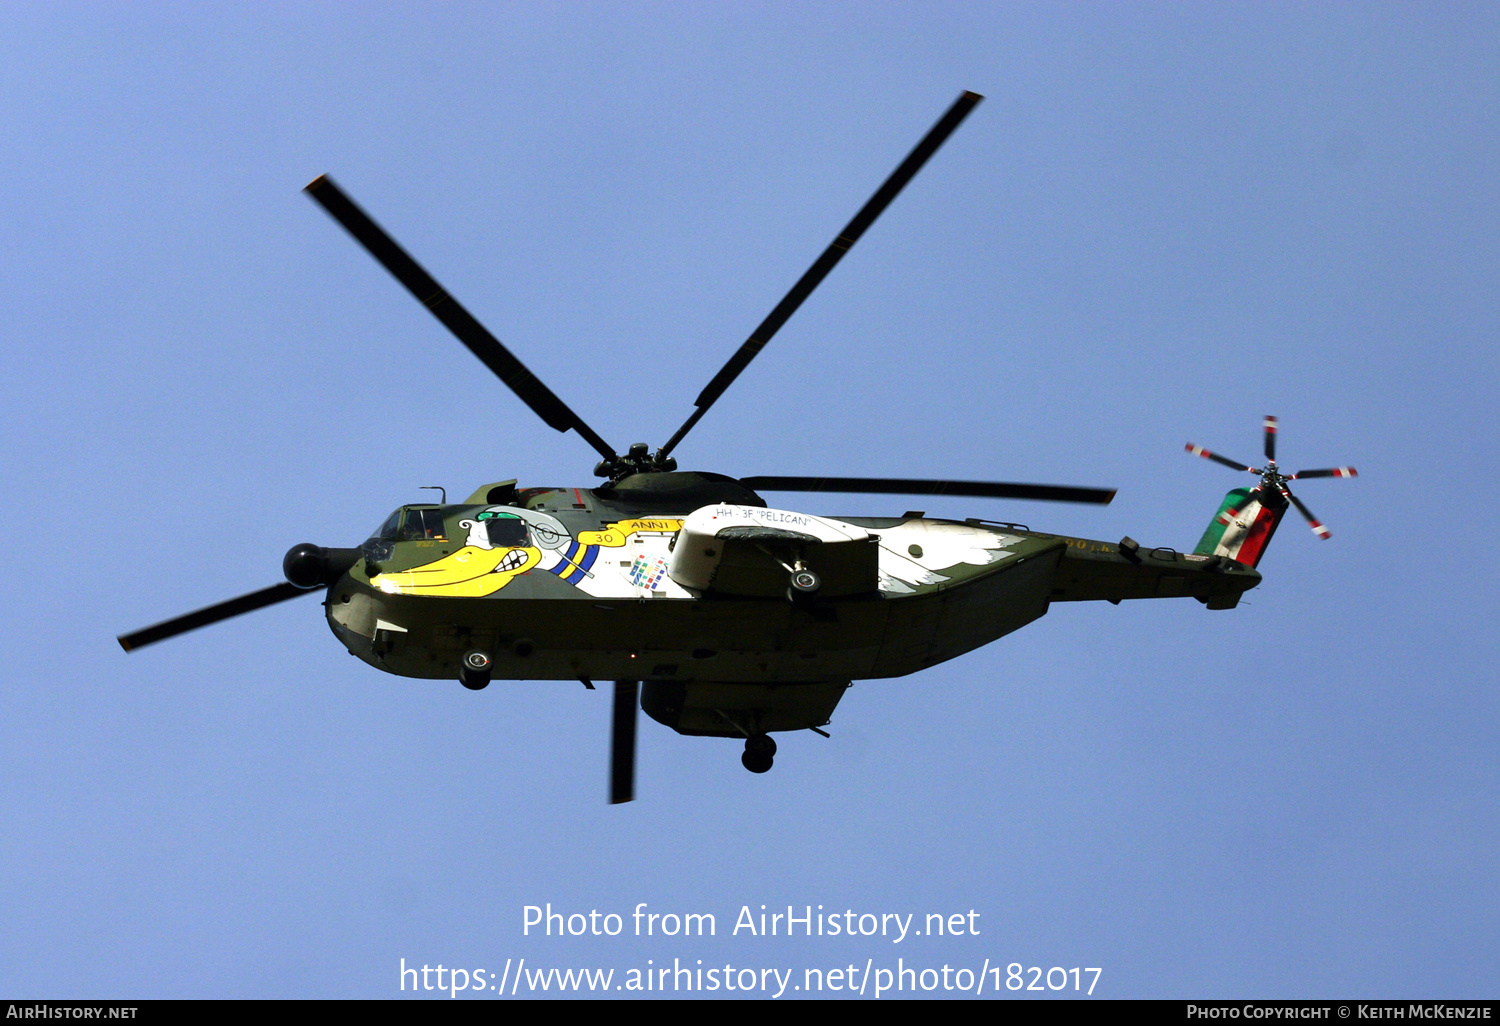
213 614
1270 426
622 742
1318 528
1198 450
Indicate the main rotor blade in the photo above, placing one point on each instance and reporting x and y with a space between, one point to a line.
1330 472
455 318
622 743
900 486
213 614
1198 450
1318 528
1270 426
825 263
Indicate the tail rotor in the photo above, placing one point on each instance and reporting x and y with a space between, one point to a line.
1272 491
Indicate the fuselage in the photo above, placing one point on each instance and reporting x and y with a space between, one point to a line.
570 584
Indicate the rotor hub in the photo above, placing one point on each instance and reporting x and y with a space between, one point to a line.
637 460
1271 477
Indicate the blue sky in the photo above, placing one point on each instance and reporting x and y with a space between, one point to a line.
1164 222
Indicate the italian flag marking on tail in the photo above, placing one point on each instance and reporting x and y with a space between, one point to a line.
1241 529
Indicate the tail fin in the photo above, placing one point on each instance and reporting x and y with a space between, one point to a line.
1241 529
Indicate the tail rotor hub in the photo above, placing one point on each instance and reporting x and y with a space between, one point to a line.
1272 480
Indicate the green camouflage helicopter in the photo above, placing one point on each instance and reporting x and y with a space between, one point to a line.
712 611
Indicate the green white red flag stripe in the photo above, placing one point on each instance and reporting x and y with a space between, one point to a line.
1232 510
1247 542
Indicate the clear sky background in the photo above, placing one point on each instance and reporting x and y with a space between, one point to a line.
1164 222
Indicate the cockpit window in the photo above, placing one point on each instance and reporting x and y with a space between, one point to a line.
412 525
506 530
422 525
387 531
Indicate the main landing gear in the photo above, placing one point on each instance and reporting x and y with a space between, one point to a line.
760 753
804 584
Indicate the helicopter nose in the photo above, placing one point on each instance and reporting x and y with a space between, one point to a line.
308 566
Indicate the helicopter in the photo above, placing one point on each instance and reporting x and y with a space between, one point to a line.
710 610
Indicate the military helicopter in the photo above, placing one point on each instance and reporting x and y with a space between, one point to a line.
713 611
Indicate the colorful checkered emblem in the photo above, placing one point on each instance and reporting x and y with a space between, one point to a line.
647 571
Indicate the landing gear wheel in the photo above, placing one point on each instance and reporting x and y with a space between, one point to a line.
760 753
756 763
806 582
474 670
804 585
761 743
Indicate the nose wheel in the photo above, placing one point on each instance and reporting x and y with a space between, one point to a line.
760 753
474 669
